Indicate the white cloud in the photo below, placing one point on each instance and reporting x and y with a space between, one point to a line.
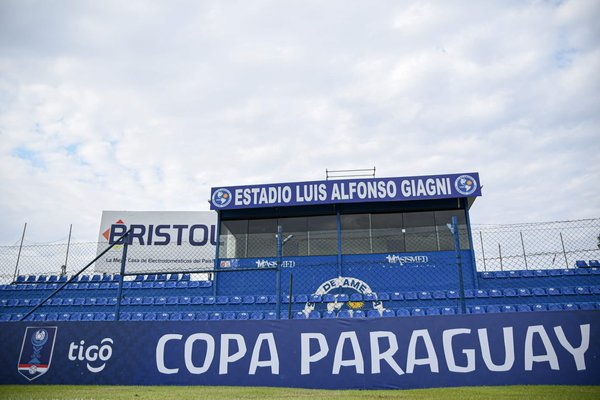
146 105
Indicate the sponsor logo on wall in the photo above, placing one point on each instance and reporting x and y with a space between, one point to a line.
36 351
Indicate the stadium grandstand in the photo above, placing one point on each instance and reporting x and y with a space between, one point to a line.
369 249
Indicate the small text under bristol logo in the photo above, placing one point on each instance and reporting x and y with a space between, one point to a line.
95 355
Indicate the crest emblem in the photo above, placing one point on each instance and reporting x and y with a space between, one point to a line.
36 351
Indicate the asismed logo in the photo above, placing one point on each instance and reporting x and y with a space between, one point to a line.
36 351
221 198
465 185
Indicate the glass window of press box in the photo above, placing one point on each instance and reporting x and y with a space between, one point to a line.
367 233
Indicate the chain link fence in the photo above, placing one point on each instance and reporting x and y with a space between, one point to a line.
416 272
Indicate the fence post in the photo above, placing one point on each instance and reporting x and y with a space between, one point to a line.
523 246
564 252
278 271
121 277
461 285
482 251
500 254
19 255
290 296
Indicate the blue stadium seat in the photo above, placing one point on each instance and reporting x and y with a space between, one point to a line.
567 291
214 316
387 313
272 299
235 300
539 307
84 278
136 301
90 301
138 316
87 317
4 317
147 285
185 277
383 296
52 316
540 273
314 315
487 275
448 311
538 291
595 290
270 315
329 298
125 316
182 284
111 316
500 274
481 293
176 316
469 294
514 274
222 300
39 317
328 315
79 301
439 294
452 294
137 285
356 297
396 296
171 284
301 298
285 299
21 278
149 316
477 310
567 272
184 300
344 314
228 315
248 300
196 300
16 317
172 300
188 316
201 316
359 314
595 263
298 315
174 277
418 312
553 291
243 316
411 296
160 301
582 271
57 301
508 308
99 316
262 299
256 315
495 293
509 292
582 306
147 301
204 284
581 264
369 297
492 309
433 311
554 272
570 307
524 292
580 290
162 316
425 295
139 278
523 308
555 307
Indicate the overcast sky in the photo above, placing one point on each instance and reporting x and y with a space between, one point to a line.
144 105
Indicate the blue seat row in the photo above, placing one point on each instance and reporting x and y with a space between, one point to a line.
539 273
111 285
583 264
99 278
534 307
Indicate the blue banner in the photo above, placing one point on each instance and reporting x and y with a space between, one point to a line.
346 191
412 352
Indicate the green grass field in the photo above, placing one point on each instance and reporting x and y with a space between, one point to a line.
263 393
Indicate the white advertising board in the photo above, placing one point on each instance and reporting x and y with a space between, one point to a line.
160 242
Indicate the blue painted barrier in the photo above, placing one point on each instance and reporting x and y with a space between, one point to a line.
412 352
